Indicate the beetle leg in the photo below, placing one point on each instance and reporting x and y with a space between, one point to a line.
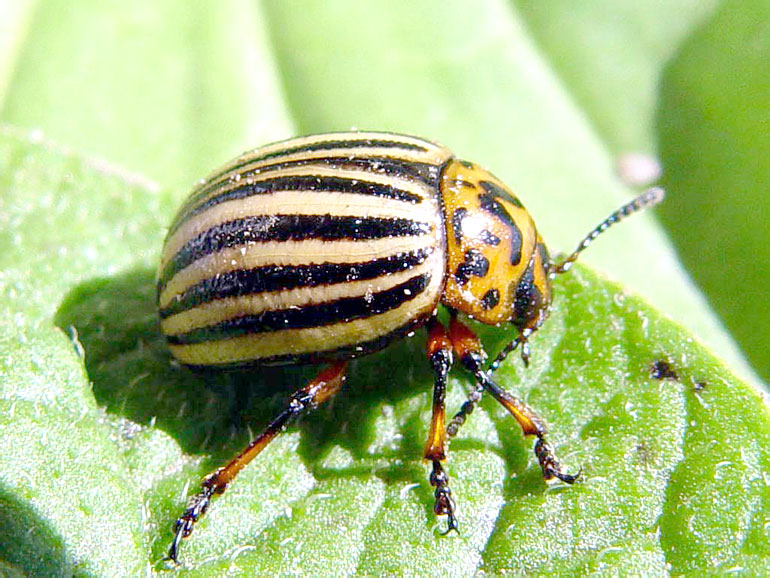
468 350
474 396
463 342
327 383
439 350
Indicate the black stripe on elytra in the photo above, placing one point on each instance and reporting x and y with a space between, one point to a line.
342 144
284 277
490 204
306 183
320 314
325 355
377 164
474 264
278 228
419 172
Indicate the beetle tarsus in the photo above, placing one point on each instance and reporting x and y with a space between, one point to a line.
444 504
451 521
550 465
196 507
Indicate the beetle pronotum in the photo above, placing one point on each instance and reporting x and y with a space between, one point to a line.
329 247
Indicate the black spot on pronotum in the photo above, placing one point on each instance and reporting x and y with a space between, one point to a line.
661 369
545 259
463 184
457 223
528 301
497 191
475 264
491 299
489 203
489 238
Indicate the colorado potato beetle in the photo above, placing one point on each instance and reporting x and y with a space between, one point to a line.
329 247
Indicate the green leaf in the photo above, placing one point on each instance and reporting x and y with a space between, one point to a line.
686 81
67 504
346 491
165 89
715 140
103 436
612 55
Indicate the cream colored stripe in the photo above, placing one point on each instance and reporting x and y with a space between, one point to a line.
299 341
435 157
289 253
418 188
220 310
296 203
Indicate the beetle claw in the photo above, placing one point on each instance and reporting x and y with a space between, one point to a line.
196 507
550 465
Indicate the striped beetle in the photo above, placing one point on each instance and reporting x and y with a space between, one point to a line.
328 247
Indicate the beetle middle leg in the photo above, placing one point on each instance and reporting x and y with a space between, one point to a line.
325 385
467 348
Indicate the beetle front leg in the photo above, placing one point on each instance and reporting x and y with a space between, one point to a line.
439 350
468 349
327 383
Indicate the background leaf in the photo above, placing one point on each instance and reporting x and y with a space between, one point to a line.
715 142
673 469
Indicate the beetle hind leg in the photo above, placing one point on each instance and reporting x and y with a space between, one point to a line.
327 383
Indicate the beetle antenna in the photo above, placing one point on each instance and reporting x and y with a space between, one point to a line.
647 199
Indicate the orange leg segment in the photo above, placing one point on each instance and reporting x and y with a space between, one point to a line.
440 356
327 383
468 350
